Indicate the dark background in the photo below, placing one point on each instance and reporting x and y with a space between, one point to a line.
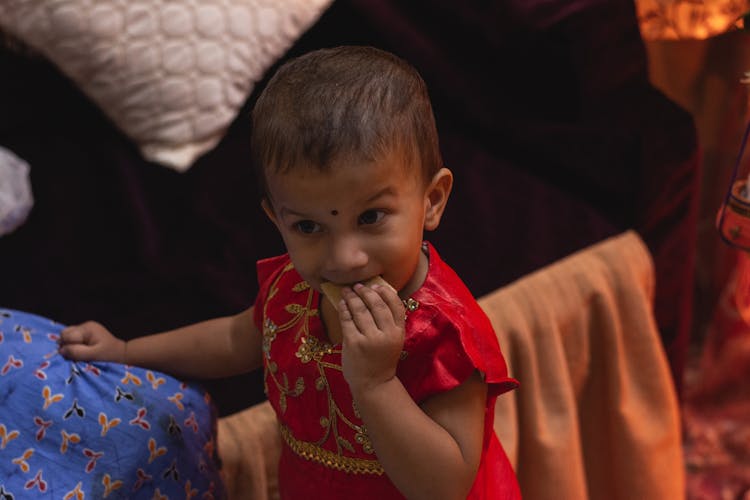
547 118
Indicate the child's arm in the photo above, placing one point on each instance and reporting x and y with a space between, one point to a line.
428 452
215 348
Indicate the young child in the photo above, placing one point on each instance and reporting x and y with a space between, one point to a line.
382 394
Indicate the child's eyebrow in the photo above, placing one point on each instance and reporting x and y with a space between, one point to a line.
284 211
386 191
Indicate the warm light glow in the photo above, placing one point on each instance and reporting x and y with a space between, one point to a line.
688 19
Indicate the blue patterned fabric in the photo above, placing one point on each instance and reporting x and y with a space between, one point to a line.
77 431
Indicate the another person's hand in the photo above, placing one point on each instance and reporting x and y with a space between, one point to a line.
90 341
372 325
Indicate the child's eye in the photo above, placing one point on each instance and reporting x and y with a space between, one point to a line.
371 217
307 227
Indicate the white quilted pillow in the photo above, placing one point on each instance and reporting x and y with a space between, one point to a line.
172 74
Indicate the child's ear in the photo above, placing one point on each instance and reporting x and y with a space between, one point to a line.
436 197
268 209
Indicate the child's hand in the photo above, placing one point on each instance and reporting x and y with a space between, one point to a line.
372 326
90 341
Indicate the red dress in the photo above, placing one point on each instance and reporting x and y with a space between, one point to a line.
327 453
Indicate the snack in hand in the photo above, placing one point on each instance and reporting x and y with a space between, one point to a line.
333 291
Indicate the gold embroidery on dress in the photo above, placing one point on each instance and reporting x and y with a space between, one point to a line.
364 440
410 304
270 331
314 453
295 308
269 334
311 349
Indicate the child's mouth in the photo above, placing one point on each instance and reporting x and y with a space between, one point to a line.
332 291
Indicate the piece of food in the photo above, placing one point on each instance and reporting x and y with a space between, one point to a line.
333 292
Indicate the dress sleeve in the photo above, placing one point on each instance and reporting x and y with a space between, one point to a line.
445 347
267 270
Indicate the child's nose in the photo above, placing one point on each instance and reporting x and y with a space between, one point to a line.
345 257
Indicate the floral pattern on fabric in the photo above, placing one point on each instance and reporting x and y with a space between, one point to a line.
76 431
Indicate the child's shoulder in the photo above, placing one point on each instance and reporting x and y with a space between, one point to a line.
448 337
449 303
445 291
446 312
271 266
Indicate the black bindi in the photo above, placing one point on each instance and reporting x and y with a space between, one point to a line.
334 212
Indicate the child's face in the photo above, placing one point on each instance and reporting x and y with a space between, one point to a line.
355 221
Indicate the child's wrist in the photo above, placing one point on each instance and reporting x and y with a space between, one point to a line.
370 389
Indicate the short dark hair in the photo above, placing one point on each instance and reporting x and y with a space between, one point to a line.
344 103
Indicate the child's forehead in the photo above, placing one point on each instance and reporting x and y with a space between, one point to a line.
342 181
392 162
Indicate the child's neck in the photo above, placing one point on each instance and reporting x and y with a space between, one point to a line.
330 316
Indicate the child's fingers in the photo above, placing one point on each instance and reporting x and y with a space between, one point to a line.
360 313
77 352
395 304
378 307
349 331
77 334
345 317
